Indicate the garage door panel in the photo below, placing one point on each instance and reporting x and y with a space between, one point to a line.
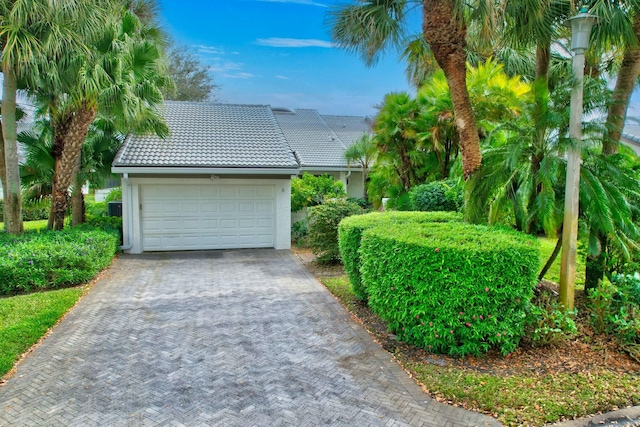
183 217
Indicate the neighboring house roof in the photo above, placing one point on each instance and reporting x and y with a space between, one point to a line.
631 134
349 128
313 141
207 135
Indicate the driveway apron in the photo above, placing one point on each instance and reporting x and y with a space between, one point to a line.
219 338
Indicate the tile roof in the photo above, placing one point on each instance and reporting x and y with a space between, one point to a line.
313 141
631 134
349 128
212 135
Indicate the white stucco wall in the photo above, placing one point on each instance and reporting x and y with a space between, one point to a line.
131 221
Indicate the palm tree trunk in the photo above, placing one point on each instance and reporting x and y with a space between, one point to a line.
77 200
67 165
3 171
627 77
445 31
12 202
551 259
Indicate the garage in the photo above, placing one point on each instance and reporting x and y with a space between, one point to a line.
192 217
221 179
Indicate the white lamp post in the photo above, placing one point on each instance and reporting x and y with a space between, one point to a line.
581 25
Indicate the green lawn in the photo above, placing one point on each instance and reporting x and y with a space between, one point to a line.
31 225
25 318
546 248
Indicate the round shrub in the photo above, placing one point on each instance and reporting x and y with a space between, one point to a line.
436 196
323 228
350 235
451 287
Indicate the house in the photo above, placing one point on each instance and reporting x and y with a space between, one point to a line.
222 178
631 134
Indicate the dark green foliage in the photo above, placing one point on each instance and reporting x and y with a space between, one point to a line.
615 309
300 230
323 228
350 235
114 195
32 210
450 287
312 190
437 196
53 259
546 323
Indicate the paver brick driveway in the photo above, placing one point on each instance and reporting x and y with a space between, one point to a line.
215 338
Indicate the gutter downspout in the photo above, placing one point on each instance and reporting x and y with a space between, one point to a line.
129 240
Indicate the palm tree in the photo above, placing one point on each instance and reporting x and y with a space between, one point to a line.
369 27
364 153
121 77
31 31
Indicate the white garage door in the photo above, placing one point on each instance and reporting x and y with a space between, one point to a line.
191 217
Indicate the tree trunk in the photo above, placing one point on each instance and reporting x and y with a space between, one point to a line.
552 258
67 164
13 201
445 31
3 172
627 77
596 265
77 200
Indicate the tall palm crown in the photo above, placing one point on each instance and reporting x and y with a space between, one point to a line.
369 27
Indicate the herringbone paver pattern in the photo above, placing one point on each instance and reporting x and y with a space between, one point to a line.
219 338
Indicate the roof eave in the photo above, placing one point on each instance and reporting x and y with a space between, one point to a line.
182 170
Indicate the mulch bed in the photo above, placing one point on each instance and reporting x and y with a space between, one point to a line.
588 352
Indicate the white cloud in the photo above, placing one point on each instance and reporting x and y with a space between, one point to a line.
219 66
239 76
286 42
213 50
307 2
283 77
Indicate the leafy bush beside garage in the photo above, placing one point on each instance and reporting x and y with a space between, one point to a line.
323 227
350 235
48 259
450 287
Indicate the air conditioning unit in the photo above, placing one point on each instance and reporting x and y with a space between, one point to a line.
114 208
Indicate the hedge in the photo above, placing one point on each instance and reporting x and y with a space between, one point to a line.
53 259
324 221
452 287
350 233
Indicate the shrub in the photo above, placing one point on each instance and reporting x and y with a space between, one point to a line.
32 210
313 190
300 230
450 287
114 195
615 309
53 259
546 323
437 196
350 235
323 228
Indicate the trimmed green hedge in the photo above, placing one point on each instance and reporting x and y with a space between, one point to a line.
350 234
324 221
451 287
53 259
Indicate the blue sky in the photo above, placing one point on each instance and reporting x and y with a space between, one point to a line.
279 52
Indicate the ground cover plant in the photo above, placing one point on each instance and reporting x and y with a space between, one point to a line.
26 318
49 260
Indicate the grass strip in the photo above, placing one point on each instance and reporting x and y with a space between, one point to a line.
24 319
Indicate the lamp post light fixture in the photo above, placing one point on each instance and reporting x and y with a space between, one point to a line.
581 25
